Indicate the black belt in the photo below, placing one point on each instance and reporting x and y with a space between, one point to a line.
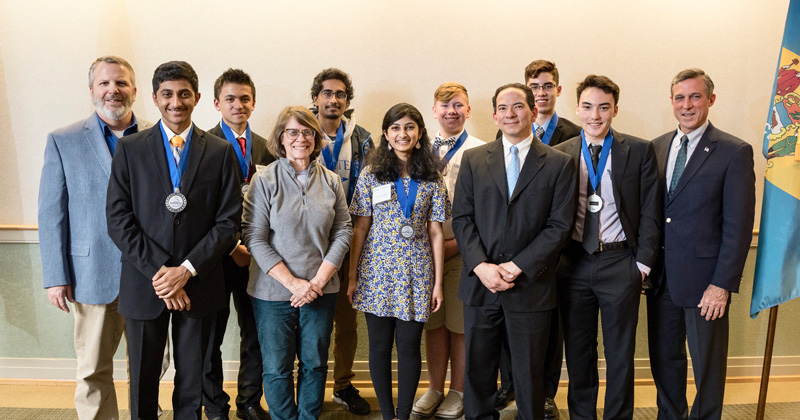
613 246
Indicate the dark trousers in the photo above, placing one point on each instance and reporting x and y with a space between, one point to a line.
553 359
382 332
526 332
249 381
146 340
606 283
669 327
345 332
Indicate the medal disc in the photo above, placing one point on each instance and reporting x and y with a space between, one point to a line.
594 203
245 187
407 231
176 202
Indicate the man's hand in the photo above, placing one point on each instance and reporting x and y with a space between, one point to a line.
59 295
179 301
303 292
169 280
712 305
494 277
512 269
241 256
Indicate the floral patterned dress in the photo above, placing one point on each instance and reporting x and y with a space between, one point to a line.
395 275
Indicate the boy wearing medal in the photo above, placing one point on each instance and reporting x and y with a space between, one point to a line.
444 331
614 242
344 152
235 98
173 209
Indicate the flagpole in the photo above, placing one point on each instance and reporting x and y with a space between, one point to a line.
762 393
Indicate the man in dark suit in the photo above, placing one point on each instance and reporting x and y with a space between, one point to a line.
173 208
709 206
612 249
235 99
512 213
542 77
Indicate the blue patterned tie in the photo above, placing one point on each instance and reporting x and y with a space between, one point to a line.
680 164
512 172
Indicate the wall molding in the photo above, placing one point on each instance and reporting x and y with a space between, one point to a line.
64 369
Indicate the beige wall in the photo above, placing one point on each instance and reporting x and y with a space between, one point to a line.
395 51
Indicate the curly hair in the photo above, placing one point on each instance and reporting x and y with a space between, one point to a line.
422 164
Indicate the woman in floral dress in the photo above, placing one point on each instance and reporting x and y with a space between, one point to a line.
397 253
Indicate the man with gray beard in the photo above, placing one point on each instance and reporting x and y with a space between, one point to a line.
80 263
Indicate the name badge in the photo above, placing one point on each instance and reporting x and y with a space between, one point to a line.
381 193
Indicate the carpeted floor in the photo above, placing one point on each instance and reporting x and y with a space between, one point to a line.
774 411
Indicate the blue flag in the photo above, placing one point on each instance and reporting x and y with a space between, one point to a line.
777 274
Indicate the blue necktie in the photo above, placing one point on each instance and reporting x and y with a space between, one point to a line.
512 172
680 165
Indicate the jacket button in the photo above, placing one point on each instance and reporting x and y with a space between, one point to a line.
669 220
177 222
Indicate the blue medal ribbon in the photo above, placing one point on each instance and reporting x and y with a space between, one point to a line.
452 152
595 177
551 128
406 200
330 160
244 160
175 171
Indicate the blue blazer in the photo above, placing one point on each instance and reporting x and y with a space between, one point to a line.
708 223
73 238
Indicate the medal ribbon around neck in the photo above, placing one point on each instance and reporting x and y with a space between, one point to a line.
551 128
595 177
330 160
244 160
176 171
406 200
452 152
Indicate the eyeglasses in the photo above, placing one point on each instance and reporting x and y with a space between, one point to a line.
327 94
293 133
547 87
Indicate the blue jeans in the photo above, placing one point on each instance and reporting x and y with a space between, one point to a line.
284 333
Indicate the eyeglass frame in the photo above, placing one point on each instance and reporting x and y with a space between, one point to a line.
327 94
547 87
307 133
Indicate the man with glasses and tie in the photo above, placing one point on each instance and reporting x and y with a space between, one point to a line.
344 152
709 204
235 99
173 208
612 249
512 213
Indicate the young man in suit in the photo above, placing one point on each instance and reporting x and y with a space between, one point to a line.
709 204
173 208
542 77
80 263
512 213
344 152
235 99
612 249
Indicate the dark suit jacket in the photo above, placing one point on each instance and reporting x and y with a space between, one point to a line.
259 153
529 230
565 130
150 236
634 176
709 221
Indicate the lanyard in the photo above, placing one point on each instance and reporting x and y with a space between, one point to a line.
551 128
406 200
175 171
450 153
594 177
330 160
244 160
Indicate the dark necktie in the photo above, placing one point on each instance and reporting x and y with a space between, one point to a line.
591 222
680 165
243 145
540 133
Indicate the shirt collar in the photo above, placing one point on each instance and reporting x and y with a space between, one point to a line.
524 145
184 135
694 136
545 125
133 128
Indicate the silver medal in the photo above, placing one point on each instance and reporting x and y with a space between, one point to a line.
406 231
594 203
176 202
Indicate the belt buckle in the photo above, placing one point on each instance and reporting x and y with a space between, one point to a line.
601 246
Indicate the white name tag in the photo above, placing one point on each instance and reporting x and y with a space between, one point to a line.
381 193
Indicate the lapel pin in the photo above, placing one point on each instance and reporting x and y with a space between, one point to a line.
706 150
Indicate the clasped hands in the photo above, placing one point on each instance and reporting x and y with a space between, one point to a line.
168 284
305 291
497 277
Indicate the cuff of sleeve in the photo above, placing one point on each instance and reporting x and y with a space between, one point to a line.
643 268
189 267
239 242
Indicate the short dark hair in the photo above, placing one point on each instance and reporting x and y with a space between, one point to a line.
600 82
529 97
541 66
693 73
175 70
236 76
328 74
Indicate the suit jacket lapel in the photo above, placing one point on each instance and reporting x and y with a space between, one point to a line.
97 142
196 150
704 148
497 166
155 141
619 161
533 163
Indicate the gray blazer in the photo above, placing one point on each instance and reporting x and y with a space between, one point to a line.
73 238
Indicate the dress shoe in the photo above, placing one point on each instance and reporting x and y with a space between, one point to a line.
504 397
452 407
427 404
253 412
550 409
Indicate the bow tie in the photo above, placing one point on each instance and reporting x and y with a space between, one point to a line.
449 142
